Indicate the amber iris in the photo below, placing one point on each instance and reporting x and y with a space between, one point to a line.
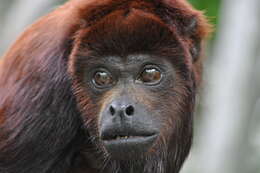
102 79
150 76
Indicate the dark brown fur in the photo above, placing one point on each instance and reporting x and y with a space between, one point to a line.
44 107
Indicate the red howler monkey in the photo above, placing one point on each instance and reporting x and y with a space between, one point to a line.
102 86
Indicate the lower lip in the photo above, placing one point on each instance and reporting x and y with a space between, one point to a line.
131 141
129 148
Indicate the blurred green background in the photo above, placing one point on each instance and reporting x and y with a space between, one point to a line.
211 8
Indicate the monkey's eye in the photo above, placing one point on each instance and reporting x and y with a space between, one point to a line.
150 75
102 79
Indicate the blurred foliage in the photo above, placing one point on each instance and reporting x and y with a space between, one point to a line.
210 7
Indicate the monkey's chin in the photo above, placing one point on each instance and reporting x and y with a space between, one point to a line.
132 147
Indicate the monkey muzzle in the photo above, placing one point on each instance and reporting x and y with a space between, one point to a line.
127 129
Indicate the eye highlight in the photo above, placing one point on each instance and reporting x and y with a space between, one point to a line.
102 79
150 76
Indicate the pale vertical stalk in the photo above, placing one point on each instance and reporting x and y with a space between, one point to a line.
227 103
20 14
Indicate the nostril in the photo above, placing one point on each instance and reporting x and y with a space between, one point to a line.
112 110
129 110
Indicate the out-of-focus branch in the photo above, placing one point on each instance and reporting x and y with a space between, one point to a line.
254 133
20 14
229 100
4 6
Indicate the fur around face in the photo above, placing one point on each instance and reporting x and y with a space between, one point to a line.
41 105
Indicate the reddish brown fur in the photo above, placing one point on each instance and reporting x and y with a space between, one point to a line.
43 68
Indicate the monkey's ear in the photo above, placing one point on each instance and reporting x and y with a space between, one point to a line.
190 26
196 29
189 30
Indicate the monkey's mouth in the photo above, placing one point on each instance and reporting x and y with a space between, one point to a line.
119 145
129 141
126 138
126 135
112 137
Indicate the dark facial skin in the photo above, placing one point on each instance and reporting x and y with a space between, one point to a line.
128 127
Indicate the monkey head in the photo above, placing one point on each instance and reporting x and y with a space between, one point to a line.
135 71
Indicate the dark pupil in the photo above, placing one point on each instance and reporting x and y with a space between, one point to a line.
102 78
150 75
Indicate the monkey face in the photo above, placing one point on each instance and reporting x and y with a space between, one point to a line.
135 104
134 87
129 120
134 84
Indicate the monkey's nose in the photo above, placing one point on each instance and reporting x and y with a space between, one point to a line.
123 110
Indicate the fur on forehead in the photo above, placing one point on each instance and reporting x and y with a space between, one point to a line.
122 34
121 23
172 12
